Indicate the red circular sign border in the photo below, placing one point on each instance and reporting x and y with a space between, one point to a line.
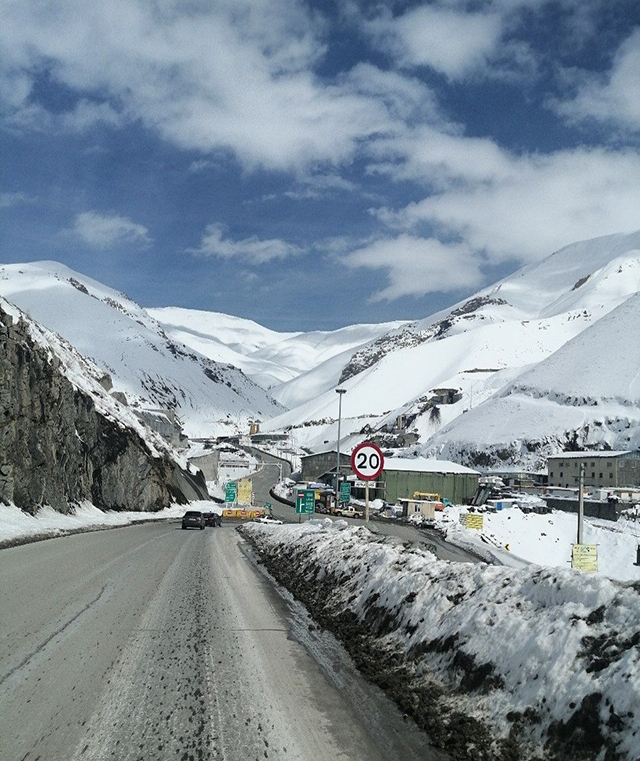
355 452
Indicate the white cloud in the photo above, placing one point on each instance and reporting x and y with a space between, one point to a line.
317 186
416 266
446 39
105 230
517 208
613 98
432 157
82 116
404 97
252 249
8 200
236 76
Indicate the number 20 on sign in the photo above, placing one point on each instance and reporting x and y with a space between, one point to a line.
367 461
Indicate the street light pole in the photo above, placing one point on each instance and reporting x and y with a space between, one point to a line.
340 392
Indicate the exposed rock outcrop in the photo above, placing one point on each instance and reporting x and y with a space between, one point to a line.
58 448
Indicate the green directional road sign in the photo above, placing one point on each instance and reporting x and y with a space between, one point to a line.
267 505
345 491
231 492
305 501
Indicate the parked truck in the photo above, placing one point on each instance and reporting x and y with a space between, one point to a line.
348 511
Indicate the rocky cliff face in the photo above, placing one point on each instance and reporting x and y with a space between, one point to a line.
56 448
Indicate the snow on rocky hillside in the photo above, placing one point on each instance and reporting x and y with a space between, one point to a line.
85 376
152 370
480 347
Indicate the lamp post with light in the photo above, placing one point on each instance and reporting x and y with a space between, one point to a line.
340 392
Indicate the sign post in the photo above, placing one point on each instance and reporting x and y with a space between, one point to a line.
305 502
367 462
345 491
585 557
231 492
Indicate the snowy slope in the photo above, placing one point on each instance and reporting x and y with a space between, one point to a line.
126 342
479 347
305 351
273 360
223 338
589 388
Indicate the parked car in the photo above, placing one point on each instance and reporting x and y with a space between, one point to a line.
193 519
269 519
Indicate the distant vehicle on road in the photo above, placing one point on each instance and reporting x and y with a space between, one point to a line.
210 519
193 519
269 519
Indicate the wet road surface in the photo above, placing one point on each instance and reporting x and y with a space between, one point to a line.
149 642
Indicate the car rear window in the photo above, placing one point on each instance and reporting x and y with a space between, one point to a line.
192 514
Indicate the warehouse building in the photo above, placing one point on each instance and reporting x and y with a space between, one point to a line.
403 477
400 478
603 470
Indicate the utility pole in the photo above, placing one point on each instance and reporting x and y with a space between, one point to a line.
340 392
581 503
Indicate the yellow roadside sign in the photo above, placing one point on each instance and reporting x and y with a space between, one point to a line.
244 491
584 557
241 514
475 521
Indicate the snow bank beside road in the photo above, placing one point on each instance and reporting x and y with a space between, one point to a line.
496 663
18 527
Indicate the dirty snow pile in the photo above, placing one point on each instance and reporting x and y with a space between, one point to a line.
546 660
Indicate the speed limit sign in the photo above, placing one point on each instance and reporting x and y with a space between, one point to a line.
367 461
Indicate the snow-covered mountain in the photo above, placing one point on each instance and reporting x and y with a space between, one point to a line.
120 337
227 339
545 358
273 360
480 348
585 395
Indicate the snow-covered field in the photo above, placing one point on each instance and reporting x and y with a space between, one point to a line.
546 539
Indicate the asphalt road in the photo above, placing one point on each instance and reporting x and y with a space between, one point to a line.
149 642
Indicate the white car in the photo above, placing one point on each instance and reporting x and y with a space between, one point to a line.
269 519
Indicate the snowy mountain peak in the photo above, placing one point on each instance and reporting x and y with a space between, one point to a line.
146 366
484 345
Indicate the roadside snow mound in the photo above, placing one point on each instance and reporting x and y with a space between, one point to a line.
493 662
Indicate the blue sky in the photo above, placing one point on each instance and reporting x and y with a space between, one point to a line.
311 165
